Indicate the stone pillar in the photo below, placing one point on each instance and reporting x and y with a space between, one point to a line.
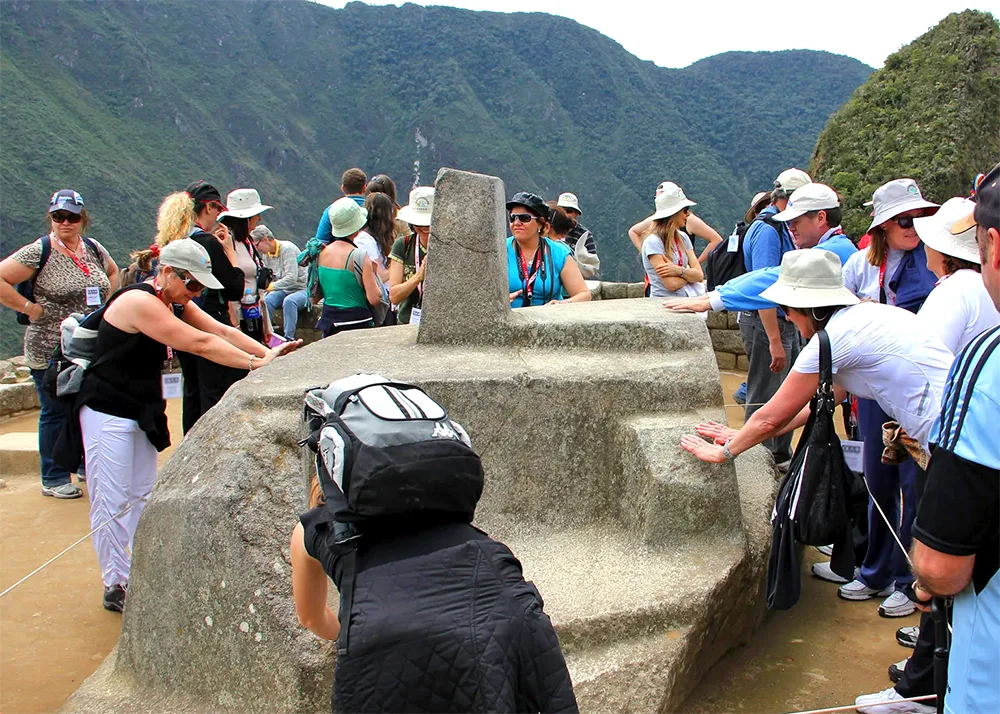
465 295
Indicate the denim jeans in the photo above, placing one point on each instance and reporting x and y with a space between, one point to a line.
51 420
762 383
290 304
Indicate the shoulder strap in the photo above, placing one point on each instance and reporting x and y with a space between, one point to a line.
825 361
46 252
358 265
348 573
92 246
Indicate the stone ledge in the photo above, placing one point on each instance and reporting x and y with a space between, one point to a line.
18 397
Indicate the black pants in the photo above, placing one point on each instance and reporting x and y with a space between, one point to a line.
204 384
918 676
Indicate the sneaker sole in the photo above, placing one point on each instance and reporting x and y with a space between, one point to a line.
113 607
53 494
897 612
909 644
859 597
835 579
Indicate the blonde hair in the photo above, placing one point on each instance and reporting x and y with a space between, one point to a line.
316 497
174 220
669 231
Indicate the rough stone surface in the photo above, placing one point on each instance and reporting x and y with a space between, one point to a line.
650 562
23 372
17 397
717 320
733 318
725 360
727 341
5 368
742 362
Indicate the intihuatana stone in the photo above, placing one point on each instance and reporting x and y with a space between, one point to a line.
650 562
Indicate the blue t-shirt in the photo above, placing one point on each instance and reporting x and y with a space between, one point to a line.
957 516
324 231
763 246
546 284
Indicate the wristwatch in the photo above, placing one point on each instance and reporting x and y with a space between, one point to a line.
727 453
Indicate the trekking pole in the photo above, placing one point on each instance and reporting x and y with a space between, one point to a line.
939 614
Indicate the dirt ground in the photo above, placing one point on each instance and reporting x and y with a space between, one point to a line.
54 632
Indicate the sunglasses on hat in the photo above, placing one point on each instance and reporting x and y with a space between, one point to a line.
521 218
65 217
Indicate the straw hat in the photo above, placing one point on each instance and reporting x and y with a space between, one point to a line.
935 231
810 278
669 200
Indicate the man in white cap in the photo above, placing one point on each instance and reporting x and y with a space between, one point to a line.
586 252
770 341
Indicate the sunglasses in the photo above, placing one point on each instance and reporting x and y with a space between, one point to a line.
190 284
217 206
521 218
65 217
903 222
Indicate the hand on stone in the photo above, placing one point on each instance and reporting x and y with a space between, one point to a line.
279 350
689 304
712 453
716 432
516 294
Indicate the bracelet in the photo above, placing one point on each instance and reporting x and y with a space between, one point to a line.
25 308
727 453
250 363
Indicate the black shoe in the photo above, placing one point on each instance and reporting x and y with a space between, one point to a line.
114 597
896 670
907 636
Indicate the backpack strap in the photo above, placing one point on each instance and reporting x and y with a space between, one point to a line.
348 574
356 263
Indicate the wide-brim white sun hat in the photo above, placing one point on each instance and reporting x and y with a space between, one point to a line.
669 200
935 231
418 211
895 197
243 203
346 217
810 278
811 197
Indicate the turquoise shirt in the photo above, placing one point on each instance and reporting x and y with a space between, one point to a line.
545 283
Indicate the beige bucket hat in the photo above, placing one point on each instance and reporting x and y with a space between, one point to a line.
935 231
810 278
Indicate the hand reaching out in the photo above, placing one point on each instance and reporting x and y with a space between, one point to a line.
689 304
716 432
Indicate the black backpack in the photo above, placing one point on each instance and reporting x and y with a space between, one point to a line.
726 261
27 287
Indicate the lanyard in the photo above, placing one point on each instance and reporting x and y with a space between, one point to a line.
82 265
528 277
882 298
416 261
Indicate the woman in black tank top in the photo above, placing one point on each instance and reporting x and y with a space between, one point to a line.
121 407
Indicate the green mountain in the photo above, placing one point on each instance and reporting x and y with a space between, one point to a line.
126 101
931 114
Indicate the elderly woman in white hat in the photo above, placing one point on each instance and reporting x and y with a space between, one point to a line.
879 353
959 307
242 214
408 257
346 273
694 226
667 253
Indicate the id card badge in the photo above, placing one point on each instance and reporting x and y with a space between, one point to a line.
734 242
173 385
93 296
415 316
854 455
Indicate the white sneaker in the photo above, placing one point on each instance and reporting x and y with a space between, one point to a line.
896 605
857 590
66 490
826 550
887 701
823 571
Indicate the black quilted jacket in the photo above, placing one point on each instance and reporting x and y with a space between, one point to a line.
443 621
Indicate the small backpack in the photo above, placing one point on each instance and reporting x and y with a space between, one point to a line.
27 287
384 448
726 260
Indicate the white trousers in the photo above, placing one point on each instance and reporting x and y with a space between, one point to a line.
121 469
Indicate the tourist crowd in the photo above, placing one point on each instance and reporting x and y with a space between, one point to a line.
911 320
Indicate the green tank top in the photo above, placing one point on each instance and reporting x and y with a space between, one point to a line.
340 288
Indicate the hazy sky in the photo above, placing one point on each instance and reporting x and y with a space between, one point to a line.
675 34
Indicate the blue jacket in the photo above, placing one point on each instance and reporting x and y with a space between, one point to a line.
763 246
324 231
743 293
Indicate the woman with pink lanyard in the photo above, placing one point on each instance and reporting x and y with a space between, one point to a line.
892 270
70 273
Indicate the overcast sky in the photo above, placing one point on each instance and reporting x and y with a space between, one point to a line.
675 34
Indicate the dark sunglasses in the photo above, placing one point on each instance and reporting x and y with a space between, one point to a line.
521 218
218 206
903 222
190 284
65 217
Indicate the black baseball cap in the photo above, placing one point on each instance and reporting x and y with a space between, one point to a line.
66 200
203 192
987 210
532 202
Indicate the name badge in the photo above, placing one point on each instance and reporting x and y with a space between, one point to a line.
734 243
415 316
854 455
173 386
93 296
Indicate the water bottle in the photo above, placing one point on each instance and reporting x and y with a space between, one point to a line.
250 309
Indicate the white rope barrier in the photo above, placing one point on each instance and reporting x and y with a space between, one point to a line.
852 707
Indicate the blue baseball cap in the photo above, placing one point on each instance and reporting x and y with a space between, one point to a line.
66 200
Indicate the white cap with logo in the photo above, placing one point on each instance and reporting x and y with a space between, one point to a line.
791 179
811 197
568 200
